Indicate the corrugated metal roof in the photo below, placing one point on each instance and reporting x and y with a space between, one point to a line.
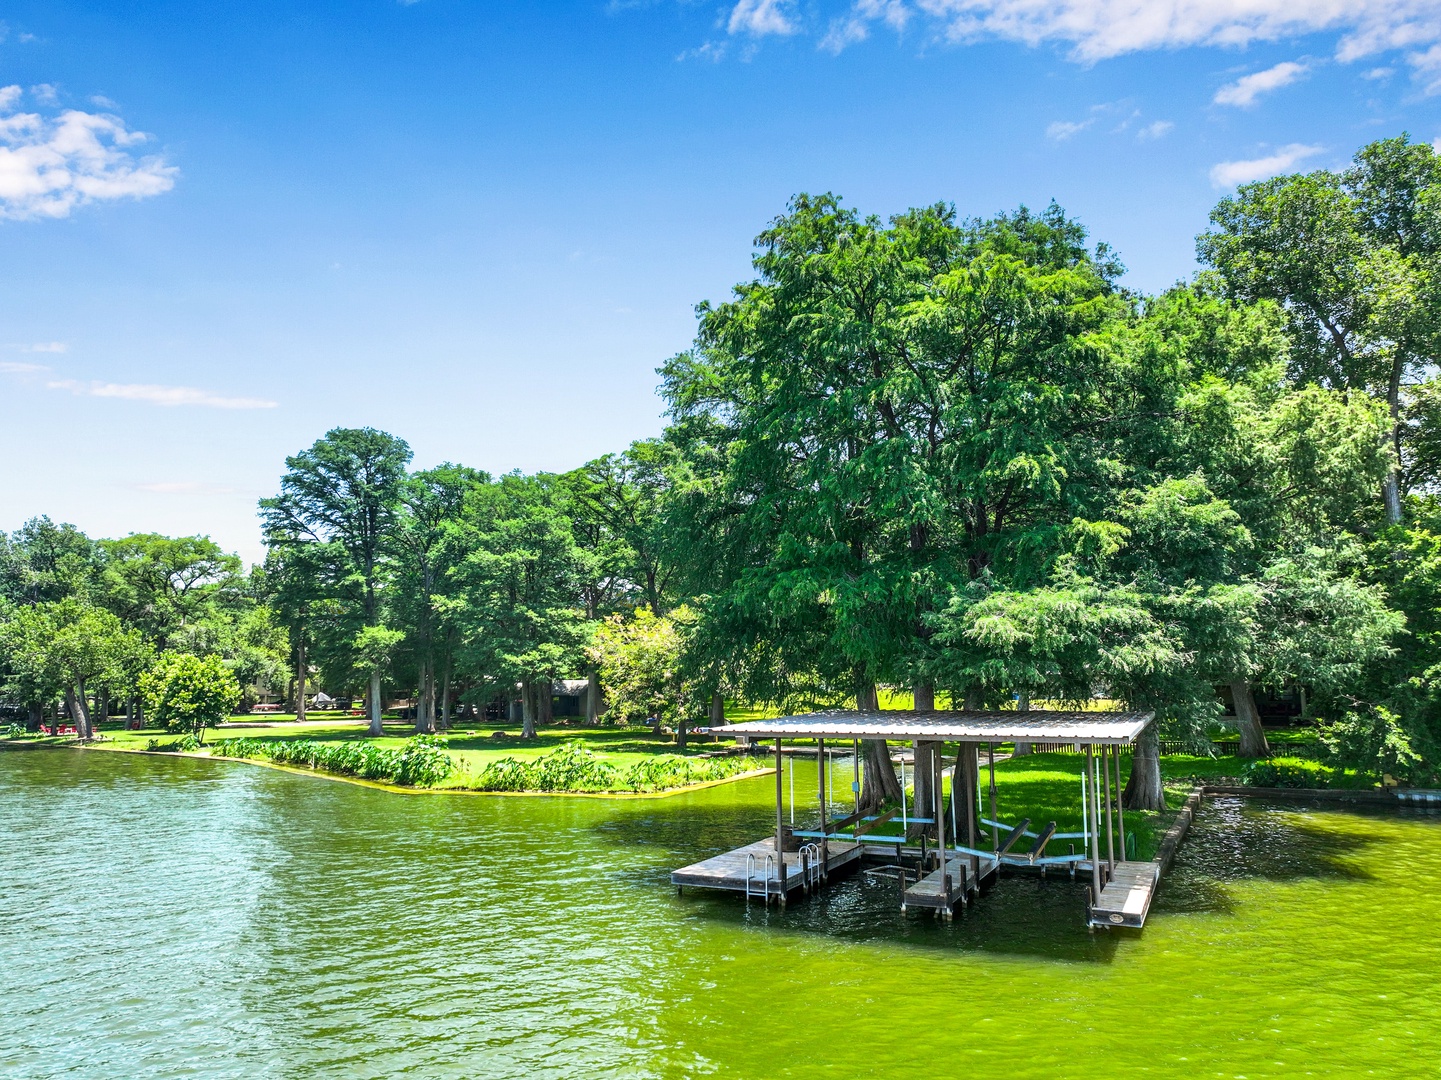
907 725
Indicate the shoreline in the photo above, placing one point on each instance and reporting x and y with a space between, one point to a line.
380 785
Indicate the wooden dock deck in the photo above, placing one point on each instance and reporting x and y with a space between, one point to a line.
967 873
729 870
1126 898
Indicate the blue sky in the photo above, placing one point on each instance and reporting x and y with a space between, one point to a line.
226 228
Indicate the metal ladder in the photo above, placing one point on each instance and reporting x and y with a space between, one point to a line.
768 869
811 867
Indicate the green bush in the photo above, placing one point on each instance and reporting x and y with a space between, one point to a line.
661 773
12 731
1289 774
189 693
571 767
574 768
421 763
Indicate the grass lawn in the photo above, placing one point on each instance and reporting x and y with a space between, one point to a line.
472 746
1043 786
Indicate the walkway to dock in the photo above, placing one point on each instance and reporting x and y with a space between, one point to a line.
754 869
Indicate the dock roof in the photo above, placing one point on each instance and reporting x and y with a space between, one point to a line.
954 725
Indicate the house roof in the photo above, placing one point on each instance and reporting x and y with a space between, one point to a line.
960 724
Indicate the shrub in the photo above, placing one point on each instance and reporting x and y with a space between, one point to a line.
12 731
669 771
572 767
422 763
189 693
1288 774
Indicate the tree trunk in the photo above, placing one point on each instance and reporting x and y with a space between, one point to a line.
879 784
445 696
425 700
75 703
300 680
527 706
1023 704
592 698
35 716
376 728
924 772
1143 788
924 700
717 711
961 807
1248 721
680 728
544 703
1392 487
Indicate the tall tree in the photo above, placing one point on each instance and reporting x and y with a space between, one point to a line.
899 408
519 608
162 585
1354 258
427 550
342 496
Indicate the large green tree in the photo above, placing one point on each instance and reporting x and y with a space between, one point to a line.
339 500
1354 258
902 408
72 647
519 605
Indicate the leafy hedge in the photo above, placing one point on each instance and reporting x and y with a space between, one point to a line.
1290 774
421 763
572 767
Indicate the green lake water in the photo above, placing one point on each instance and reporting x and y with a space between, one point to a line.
182 918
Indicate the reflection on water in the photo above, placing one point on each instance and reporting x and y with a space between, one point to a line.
183 918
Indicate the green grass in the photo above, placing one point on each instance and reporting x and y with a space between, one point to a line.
473 747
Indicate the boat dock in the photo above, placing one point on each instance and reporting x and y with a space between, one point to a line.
944 845
755 871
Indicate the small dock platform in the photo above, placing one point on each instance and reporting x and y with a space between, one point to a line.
933 894
1126 897
754 869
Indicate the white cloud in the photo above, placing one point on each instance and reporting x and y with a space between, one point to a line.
168 396
1229 174
1157 129
760 18
1099 29
11 367
49 165
711 50
1061 130
45 93
41 347
1245 90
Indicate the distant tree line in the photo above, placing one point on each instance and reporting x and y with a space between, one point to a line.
951 455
